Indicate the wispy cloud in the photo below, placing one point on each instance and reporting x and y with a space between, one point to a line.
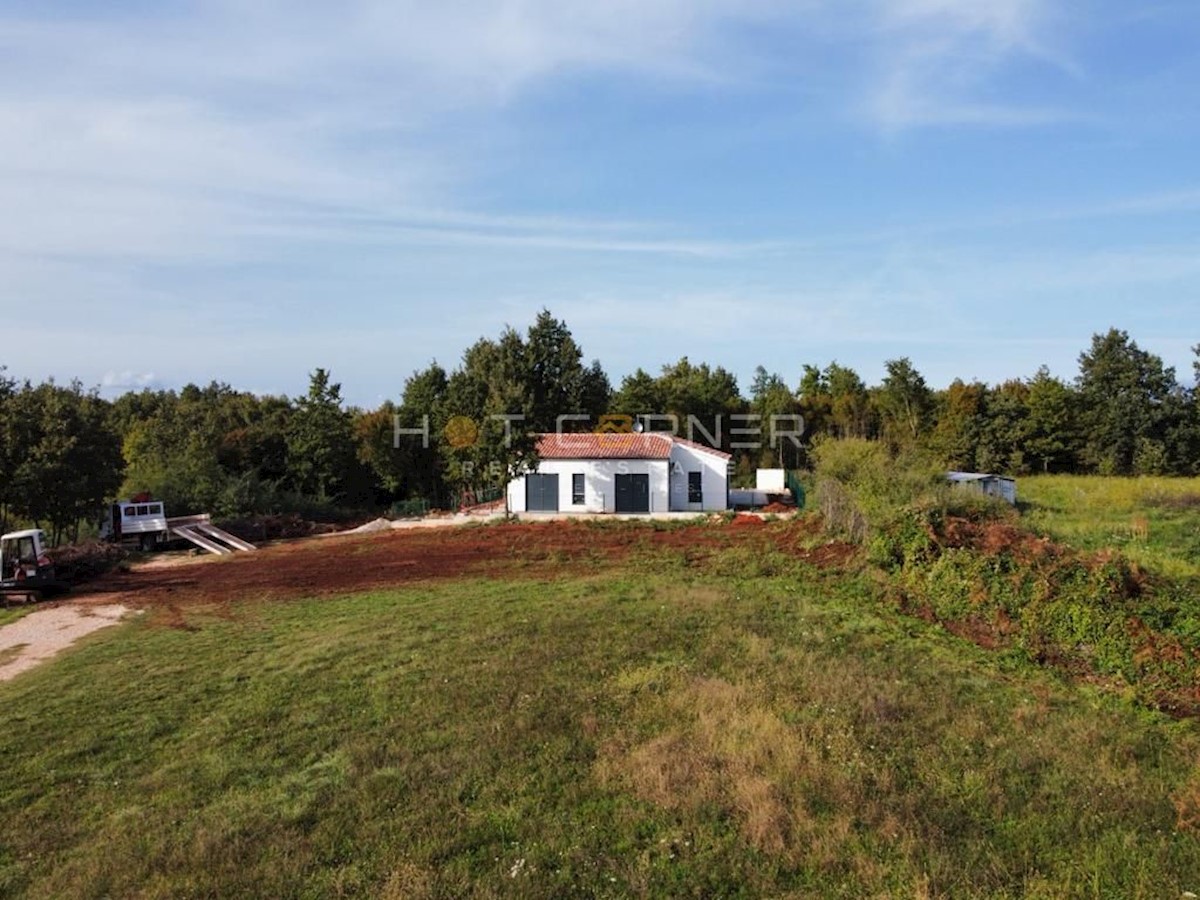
433 168
197 135
937 59
127 380
220 132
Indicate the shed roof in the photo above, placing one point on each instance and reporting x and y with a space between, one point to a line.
28 532
620 445
975 476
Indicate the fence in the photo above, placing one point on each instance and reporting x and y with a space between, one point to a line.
408 509
476 496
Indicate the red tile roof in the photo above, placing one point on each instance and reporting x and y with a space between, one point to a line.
588 445
703 447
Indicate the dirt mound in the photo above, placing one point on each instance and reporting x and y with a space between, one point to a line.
373 527
747 520
259 529
835 554
995 538
77 563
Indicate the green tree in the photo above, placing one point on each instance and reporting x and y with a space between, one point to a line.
210 449
417 460
173 456
253 436
698 398
1184 437
69 462
904 400
699 390
961 416
850 409
557 381
320 441
771 397
639 394
374 437
1124 394
815 402
683 390
486 439
1004 436
11 445
1052 434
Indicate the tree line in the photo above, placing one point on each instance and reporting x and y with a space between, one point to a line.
66 451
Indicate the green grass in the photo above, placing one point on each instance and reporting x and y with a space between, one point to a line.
658 732
14 611
1153 521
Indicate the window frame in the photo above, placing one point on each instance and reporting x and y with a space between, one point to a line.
578 489
695 487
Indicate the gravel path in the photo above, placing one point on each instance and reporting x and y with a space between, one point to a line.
44 632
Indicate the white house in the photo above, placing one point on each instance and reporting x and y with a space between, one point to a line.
624 473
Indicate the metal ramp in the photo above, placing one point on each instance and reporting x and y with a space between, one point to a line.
204 534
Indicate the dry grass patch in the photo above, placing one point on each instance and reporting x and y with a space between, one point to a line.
1187 805
408 882
8 654
732 753
696 596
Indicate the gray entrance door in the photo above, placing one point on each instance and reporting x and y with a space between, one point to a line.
541 493
633 493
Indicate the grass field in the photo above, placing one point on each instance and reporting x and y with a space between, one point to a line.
14 611
753 726
1153 521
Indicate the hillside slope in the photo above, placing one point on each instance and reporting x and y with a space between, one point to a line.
699 713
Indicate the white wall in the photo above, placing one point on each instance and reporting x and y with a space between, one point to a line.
598 483
1004 488
769 479
714 478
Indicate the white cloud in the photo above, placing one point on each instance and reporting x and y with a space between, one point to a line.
219 132
127 380
936 60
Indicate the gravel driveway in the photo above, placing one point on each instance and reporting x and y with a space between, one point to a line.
44 632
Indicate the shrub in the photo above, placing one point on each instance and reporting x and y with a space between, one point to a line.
885 501
77 563
964 560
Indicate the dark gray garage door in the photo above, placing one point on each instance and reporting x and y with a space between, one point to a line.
541 493
633 493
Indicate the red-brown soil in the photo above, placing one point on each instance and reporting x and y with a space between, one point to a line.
995 538
344 564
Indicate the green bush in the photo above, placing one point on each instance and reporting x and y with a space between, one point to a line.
887 502
956 555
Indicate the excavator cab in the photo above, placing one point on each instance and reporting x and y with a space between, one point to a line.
24 566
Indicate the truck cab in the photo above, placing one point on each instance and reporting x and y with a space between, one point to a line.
140 519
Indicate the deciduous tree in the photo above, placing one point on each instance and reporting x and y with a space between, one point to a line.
1123 391
904 400
320 440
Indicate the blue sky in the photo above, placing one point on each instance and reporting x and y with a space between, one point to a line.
242 192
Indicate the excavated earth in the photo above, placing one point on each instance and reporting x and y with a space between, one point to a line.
348 563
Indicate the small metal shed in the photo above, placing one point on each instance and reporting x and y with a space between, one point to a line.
986 483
